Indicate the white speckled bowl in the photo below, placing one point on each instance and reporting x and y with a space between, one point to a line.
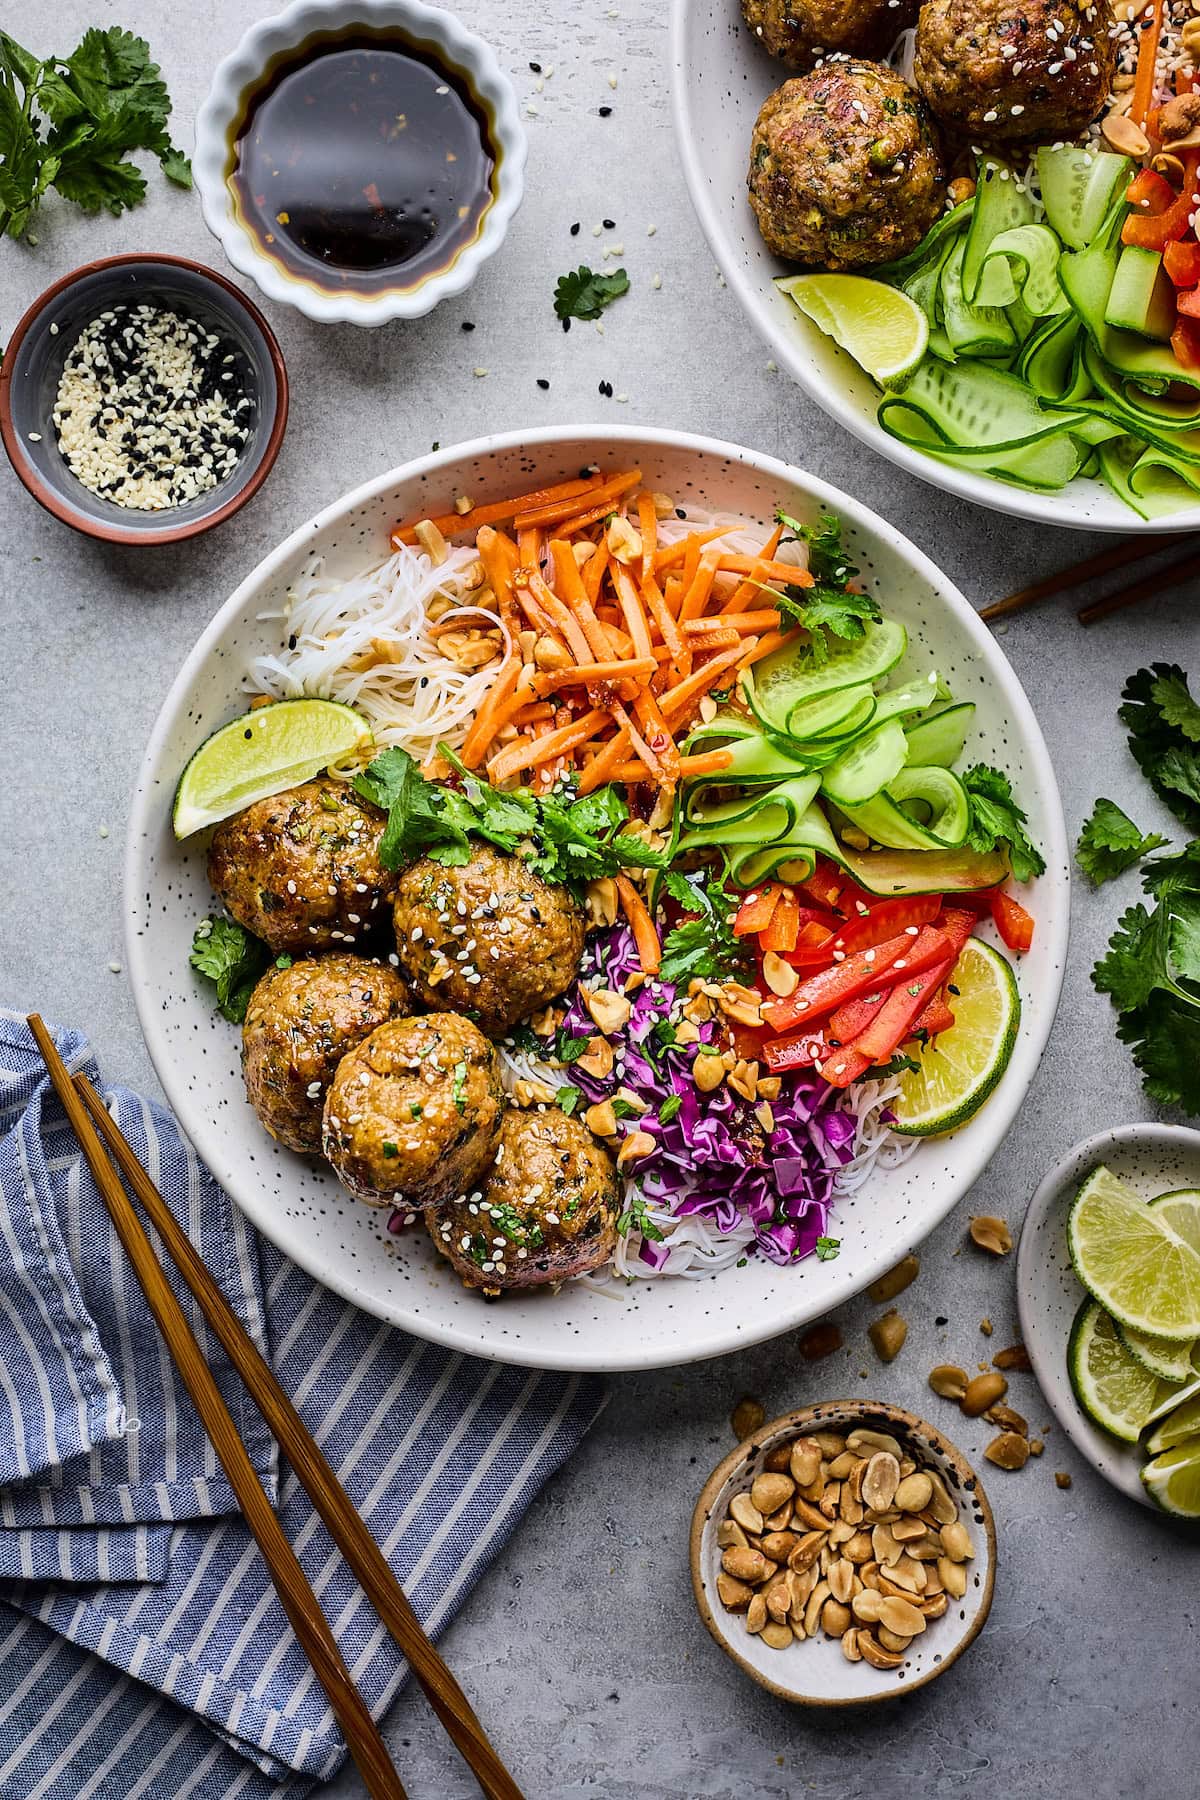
1151 1158
815 1672
241 72
720 77
298 1203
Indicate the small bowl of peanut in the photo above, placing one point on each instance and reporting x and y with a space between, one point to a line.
844 1554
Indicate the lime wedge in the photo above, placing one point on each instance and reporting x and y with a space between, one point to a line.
1169 1358
959 1068
263 752
1181 1211
1115 1392
1173 1479
1183 1423
885 332
1131 1261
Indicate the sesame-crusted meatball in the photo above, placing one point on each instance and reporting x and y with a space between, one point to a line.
301 870
490 939
300 1022
800 32
845 167
995 71
546 1210
414 1111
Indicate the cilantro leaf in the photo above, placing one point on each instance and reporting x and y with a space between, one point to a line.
635 1218
228 955
827 1248
1161 718
568 1099
1151 973
1165 1036
583 294
1110 843
828 608
704 947
996 819
827 558
416 825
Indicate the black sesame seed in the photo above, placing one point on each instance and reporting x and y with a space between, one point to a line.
466 325
605 111
542 383
609 224
575 229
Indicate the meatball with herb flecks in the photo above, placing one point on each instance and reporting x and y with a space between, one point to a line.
490 938
546 1210
301 870
413 1112
800 32
845 168
998 72
300 1021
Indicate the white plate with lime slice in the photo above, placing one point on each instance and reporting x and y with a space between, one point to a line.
1152 1160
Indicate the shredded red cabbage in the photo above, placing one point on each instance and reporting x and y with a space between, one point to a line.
712 1156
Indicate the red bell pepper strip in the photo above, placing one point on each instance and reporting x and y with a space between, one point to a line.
849 1020
1151 193
1188 304
896 1018
1014 924
885 964
824 884
958 925
781 932
887 919
1154 231
1185 342
755 912
798 1051
845 1066
813 948
1182 263
936 1018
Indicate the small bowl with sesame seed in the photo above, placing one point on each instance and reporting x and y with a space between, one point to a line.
143 399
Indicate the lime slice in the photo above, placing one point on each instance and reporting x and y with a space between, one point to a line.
885 332
1181 1211
1183 1423
1168 1357
1130 1259
1173 1479
263 752
1115 1392
959 1068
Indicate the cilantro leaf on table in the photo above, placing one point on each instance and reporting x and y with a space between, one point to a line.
702 947
226 954
1163 721
1151 973
1110 843
583 294
76 120
829 608
997 821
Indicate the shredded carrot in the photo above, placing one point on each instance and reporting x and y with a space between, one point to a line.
555 743
755 649
673 555
529 549
631 669
633 609
746 591
679 702
765 569
741 622
668 630
487 720
645 936
585 509
452 524
1147 58
494 553
535 713
593 571
699 589
568 626
710 763
648 528
600 769
715 638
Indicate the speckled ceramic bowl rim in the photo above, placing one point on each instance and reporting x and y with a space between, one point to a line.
984 490
48 496
815 1418
1054 1383
1001 1109
244 68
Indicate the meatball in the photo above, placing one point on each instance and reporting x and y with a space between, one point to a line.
800 32
301 870
551 1198
414 1111
845 167
995 71
300 1022
491 938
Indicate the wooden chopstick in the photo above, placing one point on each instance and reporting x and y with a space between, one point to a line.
291 1584
320 1483
1146 589
1102 563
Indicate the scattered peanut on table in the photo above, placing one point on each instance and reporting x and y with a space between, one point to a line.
845 1536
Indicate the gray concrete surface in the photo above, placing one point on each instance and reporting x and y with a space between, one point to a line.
582 1648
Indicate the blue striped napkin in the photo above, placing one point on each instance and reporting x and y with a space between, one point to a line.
142 1649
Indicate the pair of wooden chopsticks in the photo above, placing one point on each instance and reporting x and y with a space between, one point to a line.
1129 550
97 1132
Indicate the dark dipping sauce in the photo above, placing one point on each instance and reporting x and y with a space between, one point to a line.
363 163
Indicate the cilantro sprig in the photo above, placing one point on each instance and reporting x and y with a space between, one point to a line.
228 955
70 122
828 609
998 822
1110 843
561 838
1163 721
583 294
1152 976
702 947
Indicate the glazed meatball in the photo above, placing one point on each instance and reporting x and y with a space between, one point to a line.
490 939
301 870
300 1022
845 167
800 32
413 1112
995 71
547 1209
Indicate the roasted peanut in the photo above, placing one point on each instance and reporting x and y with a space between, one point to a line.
982 1391
895 1281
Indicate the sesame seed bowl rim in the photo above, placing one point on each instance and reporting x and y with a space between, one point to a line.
55 493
